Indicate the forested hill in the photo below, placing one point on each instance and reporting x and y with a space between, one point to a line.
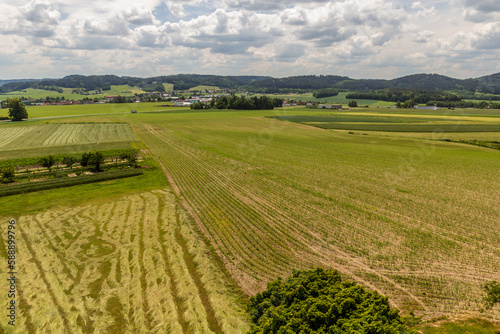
265 84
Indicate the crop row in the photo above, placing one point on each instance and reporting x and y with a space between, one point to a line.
335 203
66 182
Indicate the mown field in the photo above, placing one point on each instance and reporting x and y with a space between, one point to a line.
46 135
133 264
413 218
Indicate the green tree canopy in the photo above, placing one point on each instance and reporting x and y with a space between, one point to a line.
17 109
318 301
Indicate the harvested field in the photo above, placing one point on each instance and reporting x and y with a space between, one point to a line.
132 265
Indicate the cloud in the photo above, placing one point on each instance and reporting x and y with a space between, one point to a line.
36 19
139 16
423 36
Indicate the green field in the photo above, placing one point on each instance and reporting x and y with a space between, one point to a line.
414 218
123 90
89 109
339 99
203 87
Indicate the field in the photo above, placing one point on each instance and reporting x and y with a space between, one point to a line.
405 217
403 213
339 99
123 90
202 87
130 265
46 135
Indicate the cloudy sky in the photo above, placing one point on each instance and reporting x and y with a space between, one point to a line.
357 38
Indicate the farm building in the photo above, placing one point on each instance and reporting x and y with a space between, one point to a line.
329 106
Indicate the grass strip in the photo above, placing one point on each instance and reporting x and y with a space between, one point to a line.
67 182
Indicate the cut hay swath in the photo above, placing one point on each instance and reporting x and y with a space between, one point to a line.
133 265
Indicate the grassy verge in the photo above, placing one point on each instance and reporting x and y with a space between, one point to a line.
23 188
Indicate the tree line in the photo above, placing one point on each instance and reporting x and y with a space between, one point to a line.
241 103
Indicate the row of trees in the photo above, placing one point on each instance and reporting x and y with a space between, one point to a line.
241 103
395 95
87 159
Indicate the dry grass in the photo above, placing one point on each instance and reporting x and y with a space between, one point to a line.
132 265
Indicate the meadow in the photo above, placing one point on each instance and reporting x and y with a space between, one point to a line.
338 99
257 195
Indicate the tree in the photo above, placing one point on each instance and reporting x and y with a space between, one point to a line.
8 174
492 293
318 301
130 157
17 109
47 162
69 160
96 159
84 160
353 104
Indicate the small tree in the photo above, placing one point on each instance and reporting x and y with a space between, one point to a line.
96 159
353 104
69 161
17 109
8 174
84 160
47 162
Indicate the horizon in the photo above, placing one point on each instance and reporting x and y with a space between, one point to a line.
249 75
375 39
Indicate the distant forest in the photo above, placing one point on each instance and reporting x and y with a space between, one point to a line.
418 85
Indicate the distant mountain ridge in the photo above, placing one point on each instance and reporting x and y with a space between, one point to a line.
266 84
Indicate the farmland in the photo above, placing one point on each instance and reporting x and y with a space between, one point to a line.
273 196
402 213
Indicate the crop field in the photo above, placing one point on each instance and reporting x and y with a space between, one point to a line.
339 99
46 135
391 123
87 109
130 265
415 220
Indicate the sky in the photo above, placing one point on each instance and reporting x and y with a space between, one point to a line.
372 39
